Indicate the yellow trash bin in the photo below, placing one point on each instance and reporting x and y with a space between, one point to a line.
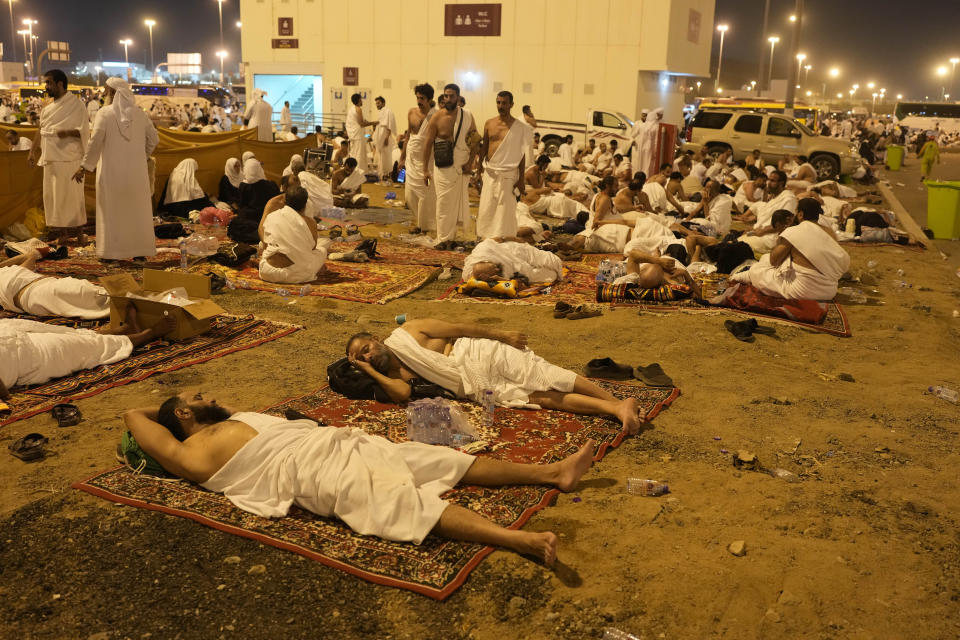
894 157
943 209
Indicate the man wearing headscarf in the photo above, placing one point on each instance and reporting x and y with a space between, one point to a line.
58 148
123 137
259 114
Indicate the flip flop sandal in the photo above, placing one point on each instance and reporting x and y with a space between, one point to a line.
66 415
608 369
336 231
756 328
581 312
561 309
5 409
29 448
352 230
217 281
653 375
740 330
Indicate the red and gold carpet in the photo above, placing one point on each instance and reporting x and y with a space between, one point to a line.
435 568
229 334
371 282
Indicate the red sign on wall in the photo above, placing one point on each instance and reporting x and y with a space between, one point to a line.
351 76
471 20
286 43
284 26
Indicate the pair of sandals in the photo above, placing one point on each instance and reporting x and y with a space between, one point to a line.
336 230
651 375
570 312
30 448
744 330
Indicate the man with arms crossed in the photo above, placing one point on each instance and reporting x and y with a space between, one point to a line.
421 198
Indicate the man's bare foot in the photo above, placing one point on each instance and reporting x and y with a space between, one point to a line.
628 416
165 325
541 545
572 468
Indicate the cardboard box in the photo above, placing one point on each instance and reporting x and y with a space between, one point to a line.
191 320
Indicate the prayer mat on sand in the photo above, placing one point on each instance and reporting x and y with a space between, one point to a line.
83 262
229 334
435 568
577 287
372 282
398 252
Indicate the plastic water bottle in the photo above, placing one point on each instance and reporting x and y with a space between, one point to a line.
283 293
944 394
183 254
304 290
610 633
643 487
489 406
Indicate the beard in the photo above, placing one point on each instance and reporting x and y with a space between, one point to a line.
210 414
381 362
451 105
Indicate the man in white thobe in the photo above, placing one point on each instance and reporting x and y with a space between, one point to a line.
636 134
648 141
59 144
286 120
122 140
355 131
452 125
385 137
505 140
420 196
259 115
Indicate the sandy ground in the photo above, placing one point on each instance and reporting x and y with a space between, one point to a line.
866 545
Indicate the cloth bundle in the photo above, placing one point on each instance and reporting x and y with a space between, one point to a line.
630 292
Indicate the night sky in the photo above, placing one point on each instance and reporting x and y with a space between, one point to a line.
879 40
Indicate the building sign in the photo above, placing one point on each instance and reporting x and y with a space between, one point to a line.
56 51
471 20
184 63
286 43
351 76
693 27
284 26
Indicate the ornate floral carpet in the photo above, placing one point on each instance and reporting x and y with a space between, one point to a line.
371 282
435 568
83 262
229 334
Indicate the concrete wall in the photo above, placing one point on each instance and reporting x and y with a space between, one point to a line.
559 56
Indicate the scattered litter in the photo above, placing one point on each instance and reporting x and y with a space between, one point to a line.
724 451
956 314
746 460
738 548
578 499
783 474
256 570
944 393
644 487
717 438
900 184
610 633
445 274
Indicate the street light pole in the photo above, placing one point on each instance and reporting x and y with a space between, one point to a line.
953 72
13 37
150 23
766 19
221 54
24 32
722 28
793 75
126 42
220 11
773 40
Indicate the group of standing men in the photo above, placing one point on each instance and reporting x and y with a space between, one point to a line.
118 148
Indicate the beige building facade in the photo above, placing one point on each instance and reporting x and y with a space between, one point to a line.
562 57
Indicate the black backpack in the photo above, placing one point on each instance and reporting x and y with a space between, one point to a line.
347 380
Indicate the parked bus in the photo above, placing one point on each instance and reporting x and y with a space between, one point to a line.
928 115
807 114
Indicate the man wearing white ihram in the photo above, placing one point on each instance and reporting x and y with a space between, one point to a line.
355 132
59 144
505 141
385 137
447 135
420 196
122 140
259 115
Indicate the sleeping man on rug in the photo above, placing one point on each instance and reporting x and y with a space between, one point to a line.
469 359
806 264
33 352
264 464
496 259
22 290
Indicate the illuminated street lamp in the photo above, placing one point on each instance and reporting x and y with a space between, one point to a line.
24 32
220 12
698 87
899 96
800 58
773 40
29 24
871 85
953 70
221 54
126 42
239 24
13 38
806 72
873 107
722 28
942 73
150 24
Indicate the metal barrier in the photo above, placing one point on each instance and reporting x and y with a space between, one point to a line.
306 123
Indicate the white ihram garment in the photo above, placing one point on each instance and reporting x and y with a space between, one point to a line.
515 257
260 116
318 191
34 352
497 214
122 140
358 141
786 199
286 120
421 197
285 231
718 215
651 235
376 487
63 202
47 296
453 202
385 139
526 220
796 282
476 365
606 238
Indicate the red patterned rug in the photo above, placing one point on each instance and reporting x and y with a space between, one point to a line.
435 568
371 282
83 262
229 334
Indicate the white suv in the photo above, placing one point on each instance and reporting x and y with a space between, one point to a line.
774 135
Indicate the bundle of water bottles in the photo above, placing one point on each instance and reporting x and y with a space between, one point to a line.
439 421
610 270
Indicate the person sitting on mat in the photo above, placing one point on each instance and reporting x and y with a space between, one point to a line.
470 359
264 464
